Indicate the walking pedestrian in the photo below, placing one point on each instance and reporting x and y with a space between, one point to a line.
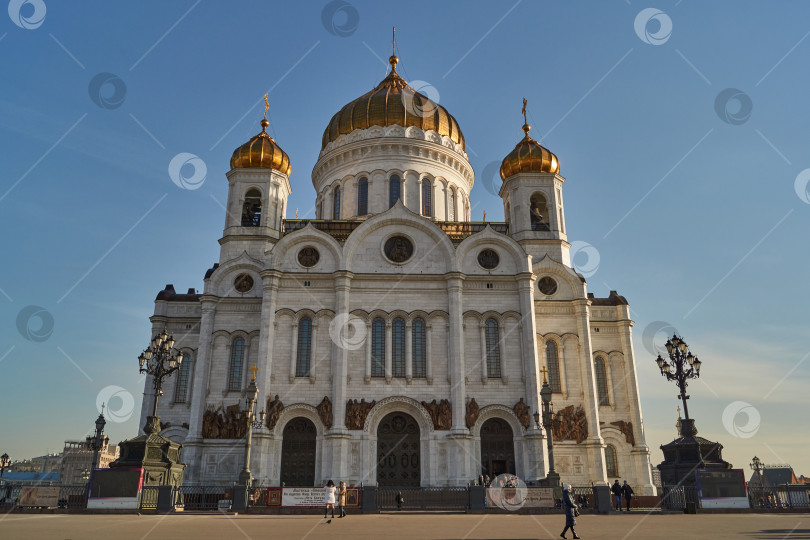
627 493
329 499
342 499
616 489
400 500
571 511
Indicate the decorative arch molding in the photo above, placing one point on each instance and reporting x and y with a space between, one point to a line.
291 412
547 265
498 411
398 404
402 218
226 271
488 237
308 234
177 434
285 312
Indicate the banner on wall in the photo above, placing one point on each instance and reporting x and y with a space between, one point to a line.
307 497
42 496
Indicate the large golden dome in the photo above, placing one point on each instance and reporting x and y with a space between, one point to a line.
392 102
529 156
263 152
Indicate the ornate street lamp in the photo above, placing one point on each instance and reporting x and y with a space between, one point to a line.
552 479
5 462
682 366
756 465
245 478
98 440
159 360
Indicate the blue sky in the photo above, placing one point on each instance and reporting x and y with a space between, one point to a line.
694 202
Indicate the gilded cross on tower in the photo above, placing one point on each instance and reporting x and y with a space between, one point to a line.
524 111
253 370
266 105
393 40
544 370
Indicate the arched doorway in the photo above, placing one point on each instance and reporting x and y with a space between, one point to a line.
497 448
398 451
298 453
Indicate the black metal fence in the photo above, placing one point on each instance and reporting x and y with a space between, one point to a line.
203 497
422 498
779 497
679 497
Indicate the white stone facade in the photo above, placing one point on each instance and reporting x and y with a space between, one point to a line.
442 284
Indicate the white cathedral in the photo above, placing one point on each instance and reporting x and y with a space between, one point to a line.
394 341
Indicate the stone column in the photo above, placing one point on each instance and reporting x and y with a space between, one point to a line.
270 283
528 337
202 369
369 343
408 352
340 360
458 392
594 444
314 351
388 342
641 452
483 332
293 350
502 354
428 353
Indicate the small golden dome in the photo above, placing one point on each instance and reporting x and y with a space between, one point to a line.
529 156
262 152
393 102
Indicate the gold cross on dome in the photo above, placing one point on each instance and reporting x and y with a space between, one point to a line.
544 371
393 40
254 369
524 111
266 105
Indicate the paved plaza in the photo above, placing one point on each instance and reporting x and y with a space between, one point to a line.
393 526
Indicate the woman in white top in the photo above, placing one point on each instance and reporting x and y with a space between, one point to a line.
329 498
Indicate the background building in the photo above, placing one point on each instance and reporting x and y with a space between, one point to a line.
77 460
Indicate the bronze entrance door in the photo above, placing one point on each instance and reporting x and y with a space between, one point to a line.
398 451
497 448
298 453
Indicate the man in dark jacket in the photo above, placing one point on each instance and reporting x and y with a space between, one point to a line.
627 493
616 489
570 506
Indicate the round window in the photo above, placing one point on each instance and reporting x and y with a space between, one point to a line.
547 285
488 258
308 257
243 283
398 249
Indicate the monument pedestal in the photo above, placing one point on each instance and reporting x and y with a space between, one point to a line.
688 453
158 456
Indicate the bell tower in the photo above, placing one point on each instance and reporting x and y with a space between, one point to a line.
532 199
258 187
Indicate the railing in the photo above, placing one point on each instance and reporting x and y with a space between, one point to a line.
779 497
423 498
9 493
73 496
677 497
149 497
202 497
341 229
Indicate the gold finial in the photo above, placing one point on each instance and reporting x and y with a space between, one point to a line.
296 213
526 126
254 369
678 423
265 123
544 371
679 411
393 60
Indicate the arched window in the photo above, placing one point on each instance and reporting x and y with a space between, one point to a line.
427 207
237 363
452 216
398 347
378 347
336 209
601 380
493 349
539 212
303 359
553 367
611 461
419 348
181 385
252 209
394 190
362 197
